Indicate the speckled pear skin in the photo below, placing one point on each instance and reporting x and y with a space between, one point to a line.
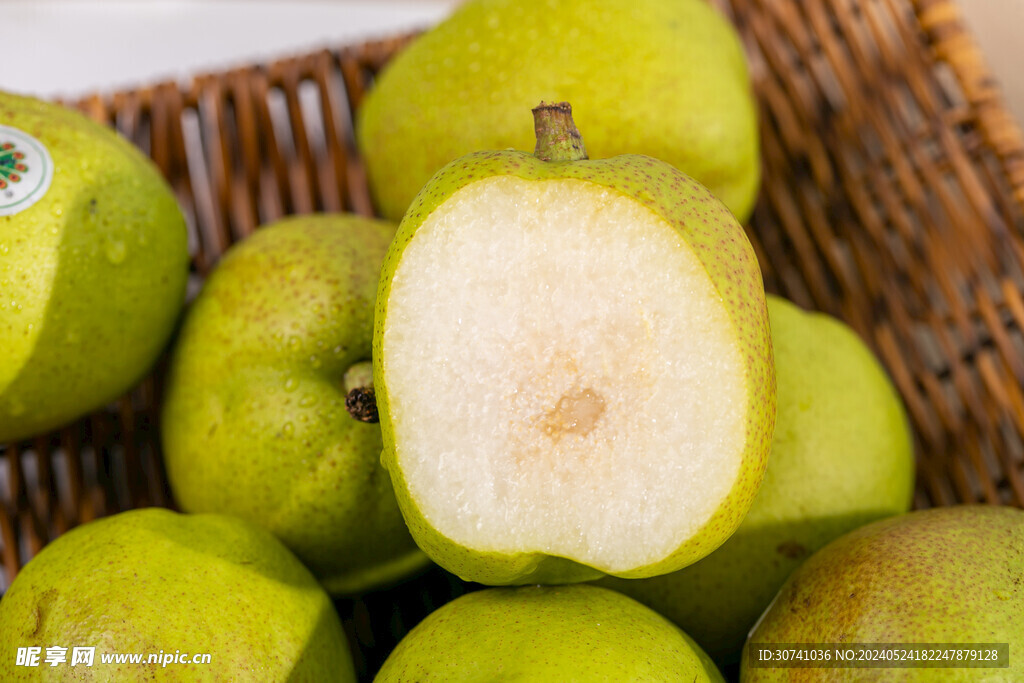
254 421
544 633
92 276
720 244
151 579
944 575
665 78
842 457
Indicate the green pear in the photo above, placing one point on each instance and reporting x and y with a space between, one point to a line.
254 419
842 456
572 365
93 265
546 633
156 582
664 78
942 576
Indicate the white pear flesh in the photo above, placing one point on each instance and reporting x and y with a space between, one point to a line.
563 376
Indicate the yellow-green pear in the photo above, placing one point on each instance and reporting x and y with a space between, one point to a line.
572 365
842 456
664 78
571 634
192 598
933 580
254 419
93 264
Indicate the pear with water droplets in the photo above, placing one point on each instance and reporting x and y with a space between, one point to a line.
93 264
255 422
572 365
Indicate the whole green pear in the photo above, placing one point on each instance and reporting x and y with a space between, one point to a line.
842 456
254 419
663 78
574 634
942 576
572 365
93 264
156 582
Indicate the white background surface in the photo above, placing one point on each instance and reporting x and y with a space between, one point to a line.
998 26
75 47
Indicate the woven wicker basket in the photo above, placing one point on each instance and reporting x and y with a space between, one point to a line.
893 197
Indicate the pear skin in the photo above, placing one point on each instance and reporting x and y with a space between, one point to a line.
156 582
92 274
546 633
663 78
944 575
254 418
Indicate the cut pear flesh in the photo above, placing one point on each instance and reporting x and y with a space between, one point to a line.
562 375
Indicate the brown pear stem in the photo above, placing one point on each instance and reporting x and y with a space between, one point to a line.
360 400
361 404
558 139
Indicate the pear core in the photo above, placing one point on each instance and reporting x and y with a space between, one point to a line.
562 376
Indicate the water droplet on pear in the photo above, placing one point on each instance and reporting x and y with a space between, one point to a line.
116 252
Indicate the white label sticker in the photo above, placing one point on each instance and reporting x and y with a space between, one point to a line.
26 170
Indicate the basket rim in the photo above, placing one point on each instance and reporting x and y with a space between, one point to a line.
189 87
942 22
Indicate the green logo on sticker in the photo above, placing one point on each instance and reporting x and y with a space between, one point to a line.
12 166
26 170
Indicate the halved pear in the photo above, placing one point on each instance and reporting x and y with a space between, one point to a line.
572 365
